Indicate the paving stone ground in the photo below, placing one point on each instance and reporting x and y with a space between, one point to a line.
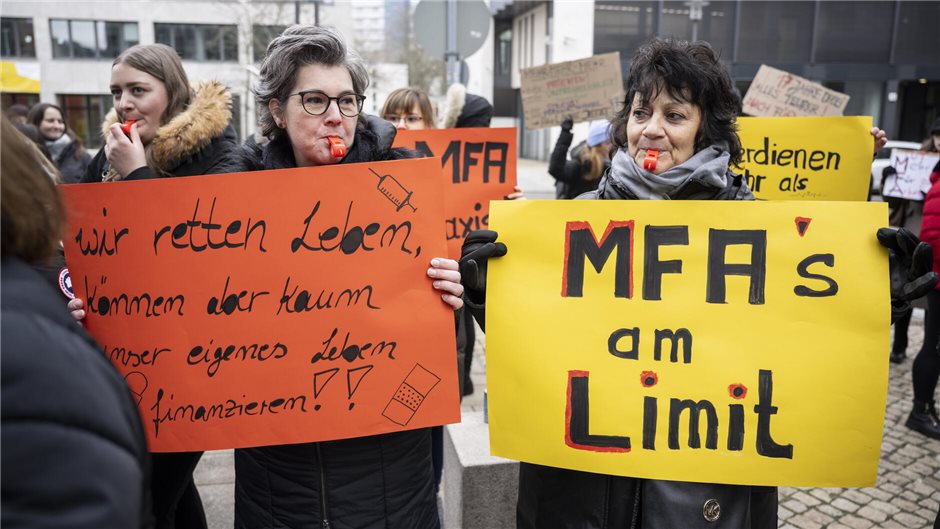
906 494
907 491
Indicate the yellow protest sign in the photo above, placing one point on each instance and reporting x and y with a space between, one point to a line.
812 158
721 342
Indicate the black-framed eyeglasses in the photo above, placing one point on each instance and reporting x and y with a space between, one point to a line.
316 103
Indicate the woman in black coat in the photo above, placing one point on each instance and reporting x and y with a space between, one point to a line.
676 139
172 130
310 97
589 159
64 148
74 451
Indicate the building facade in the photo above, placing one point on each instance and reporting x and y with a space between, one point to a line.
61 51
883 54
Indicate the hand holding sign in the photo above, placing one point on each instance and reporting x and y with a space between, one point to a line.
478 248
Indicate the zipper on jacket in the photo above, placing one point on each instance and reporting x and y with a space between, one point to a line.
324 513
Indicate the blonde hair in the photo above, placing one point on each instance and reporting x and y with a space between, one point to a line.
594 157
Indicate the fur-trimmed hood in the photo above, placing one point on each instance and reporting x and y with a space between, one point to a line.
187 133
465 110
456 97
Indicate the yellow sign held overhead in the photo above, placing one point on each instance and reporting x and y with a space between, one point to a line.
812 158
721 342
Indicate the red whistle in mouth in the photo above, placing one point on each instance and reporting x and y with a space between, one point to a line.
126 127
337 147
649 163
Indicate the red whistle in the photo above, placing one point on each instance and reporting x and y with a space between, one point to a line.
649 163
126 127
337 147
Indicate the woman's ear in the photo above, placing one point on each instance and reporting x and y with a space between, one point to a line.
274 106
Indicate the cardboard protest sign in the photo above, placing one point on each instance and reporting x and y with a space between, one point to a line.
807 158
584 89
719 342
912 180
272 307
778 93
479 165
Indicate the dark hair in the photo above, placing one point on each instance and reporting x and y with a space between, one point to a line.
17 110
689 72
31 214
403 100
38 112
298 46
35 117
162 62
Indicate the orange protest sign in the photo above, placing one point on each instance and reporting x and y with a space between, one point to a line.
479 165
272 307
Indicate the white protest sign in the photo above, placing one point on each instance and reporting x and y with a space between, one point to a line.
912 180
584 89
778 93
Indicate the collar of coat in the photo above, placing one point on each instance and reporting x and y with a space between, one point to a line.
188 132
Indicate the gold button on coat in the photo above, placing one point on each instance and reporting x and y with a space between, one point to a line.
711 510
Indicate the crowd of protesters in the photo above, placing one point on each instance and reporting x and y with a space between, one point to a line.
88 466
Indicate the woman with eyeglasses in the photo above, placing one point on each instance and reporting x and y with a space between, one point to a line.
309 97
410 109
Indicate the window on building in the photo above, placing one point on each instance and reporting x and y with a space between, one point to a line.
622 26
8 99
715 26
504 53
200 42
780 32
918 33
91 39
17 37
85 113
237 116
261 36
853 32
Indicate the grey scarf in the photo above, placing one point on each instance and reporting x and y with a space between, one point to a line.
57 147
708 167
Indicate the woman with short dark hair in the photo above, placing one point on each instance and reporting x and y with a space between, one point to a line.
309 96
675 139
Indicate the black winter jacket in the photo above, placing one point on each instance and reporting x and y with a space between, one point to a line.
381 481
72 168
569 173
74 450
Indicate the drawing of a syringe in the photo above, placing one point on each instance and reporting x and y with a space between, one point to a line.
394 191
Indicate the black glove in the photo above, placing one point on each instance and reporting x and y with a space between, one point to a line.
910 262
479 246
567 124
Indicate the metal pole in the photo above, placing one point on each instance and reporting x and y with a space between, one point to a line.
453 58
